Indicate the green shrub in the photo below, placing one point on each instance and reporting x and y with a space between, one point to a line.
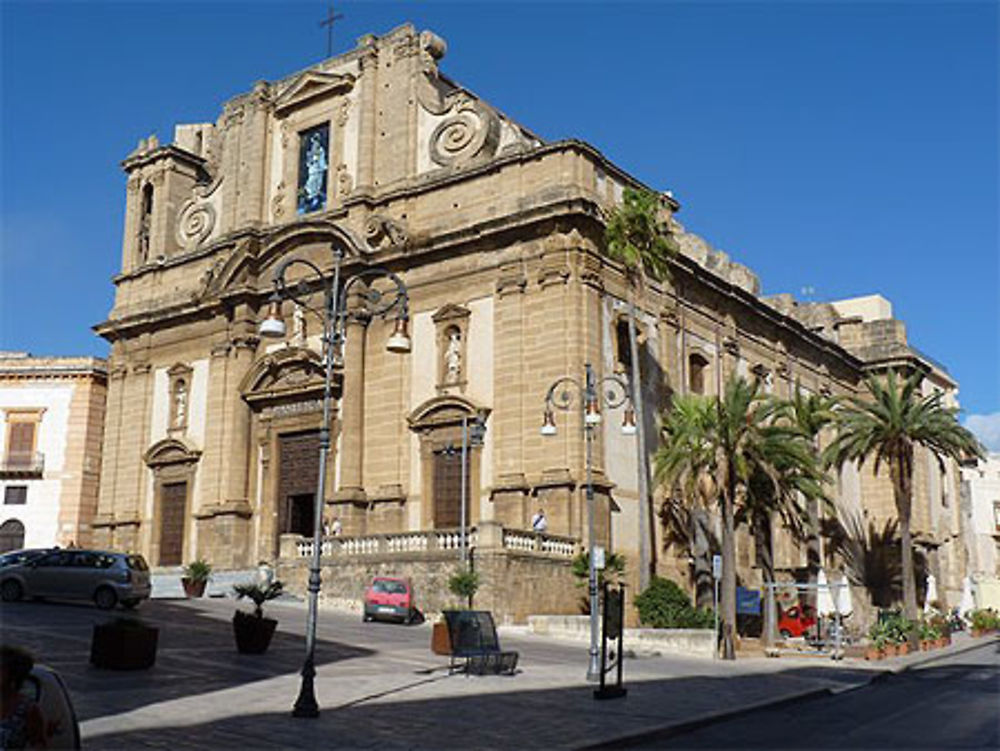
665 605
198 570
464 583
984 620
897 627
613 573
258 594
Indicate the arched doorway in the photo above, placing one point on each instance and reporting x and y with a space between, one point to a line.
438 422
11 535
284 389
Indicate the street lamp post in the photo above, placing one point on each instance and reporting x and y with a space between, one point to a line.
334 315
592 396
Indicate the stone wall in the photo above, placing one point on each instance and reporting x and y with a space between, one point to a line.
513 583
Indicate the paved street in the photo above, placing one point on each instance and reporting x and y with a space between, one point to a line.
380 686
949 703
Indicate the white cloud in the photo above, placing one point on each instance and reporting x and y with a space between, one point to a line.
986 428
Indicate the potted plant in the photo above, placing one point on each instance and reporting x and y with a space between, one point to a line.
195 577
252 630
464 583
124 644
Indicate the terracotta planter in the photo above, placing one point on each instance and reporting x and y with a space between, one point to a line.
889 650
118 646
441 639
926 645
873 654
977 633
193 587
253 634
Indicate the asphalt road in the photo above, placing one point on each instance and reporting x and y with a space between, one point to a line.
949 703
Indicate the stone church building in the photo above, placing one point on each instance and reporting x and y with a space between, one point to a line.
211 442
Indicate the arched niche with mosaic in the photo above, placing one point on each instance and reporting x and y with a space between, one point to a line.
451 324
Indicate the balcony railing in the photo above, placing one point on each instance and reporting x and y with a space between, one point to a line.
22 464
431 541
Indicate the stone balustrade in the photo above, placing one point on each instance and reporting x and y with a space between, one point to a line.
431 541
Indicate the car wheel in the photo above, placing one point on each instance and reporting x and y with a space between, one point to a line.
365 618
130 604
105 598
11 591
786 634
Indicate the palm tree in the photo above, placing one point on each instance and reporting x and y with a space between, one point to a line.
811 413
887 428
637 236
729 450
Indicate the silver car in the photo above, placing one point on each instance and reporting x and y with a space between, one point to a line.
104 577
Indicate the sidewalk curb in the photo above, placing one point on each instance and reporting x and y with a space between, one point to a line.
670 730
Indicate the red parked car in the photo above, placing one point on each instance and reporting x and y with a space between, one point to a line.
796 621
390 597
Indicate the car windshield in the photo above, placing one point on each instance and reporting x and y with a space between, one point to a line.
389 587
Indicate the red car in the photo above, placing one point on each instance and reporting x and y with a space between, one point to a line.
796 621
390 597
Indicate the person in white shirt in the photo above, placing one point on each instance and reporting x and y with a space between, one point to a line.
538 522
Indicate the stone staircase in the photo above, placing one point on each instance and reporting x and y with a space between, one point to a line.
167 582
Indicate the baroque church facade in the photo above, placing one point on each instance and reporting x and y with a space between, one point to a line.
212 433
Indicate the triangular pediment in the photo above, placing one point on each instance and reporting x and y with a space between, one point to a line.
312 85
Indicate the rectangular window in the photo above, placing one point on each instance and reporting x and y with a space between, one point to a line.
15 495
20 443
314 164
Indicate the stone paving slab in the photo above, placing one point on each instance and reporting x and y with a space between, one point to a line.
382 687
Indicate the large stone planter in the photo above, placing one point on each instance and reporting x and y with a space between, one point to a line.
253 634
123 645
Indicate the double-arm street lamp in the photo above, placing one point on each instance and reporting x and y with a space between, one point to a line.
473 434
334 315
611 392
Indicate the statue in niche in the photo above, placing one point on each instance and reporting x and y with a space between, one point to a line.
313 169
453 356
180 403
299 326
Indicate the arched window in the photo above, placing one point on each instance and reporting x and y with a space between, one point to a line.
697 365
11 535
145 222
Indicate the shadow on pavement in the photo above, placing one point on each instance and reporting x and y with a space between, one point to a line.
561 718
190 644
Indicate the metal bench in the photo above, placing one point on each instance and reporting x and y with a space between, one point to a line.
475 647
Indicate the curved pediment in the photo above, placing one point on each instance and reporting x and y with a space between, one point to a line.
286 374
448 409
170 451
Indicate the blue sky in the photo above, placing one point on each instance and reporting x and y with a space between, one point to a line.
850 147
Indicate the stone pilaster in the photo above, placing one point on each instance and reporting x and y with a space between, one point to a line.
352 410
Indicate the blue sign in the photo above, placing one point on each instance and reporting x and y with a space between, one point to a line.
747 601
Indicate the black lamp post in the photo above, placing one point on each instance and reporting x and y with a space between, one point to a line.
334 316
615 394
473 434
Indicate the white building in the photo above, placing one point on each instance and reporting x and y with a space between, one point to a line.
50 448
981 517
